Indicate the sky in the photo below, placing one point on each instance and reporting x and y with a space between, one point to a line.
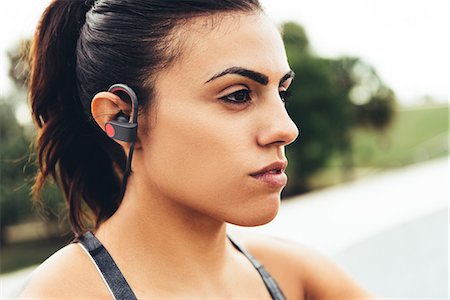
406 41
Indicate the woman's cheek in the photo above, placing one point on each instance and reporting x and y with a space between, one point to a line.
189 148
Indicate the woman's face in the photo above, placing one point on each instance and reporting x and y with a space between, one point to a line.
217 118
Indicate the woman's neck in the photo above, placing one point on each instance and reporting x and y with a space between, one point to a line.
161 238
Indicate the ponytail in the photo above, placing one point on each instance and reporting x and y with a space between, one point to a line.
70 147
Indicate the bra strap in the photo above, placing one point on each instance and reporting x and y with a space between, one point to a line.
270 283
116 283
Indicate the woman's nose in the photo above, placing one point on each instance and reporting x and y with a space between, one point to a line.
278 127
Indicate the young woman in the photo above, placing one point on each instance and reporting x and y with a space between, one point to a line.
204 82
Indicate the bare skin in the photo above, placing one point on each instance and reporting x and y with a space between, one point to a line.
191 174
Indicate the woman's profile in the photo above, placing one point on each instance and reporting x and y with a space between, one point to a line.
161 121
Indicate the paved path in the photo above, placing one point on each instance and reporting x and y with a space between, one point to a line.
390 231
408 261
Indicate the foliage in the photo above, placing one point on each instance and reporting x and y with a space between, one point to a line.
295 38
15 169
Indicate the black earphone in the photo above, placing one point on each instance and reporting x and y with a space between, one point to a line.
121 128
124 129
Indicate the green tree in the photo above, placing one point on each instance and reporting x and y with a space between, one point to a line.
374 103
15 170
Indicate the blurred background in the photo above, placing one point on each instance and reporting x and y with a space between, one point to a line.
368 175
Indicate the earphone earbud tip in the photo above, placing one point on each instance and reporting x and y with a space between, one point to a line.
122 119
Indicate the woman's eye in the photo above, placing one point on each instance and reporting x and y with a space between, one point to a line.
285 96
238 97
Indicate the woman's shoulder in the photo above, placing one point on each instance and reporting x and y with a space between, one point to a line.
68 273
299 267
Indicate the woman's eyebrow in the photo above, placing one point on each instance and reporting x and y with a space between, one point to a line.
253 75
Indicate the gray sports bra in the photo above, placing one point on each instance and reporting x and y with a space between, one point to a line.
118 286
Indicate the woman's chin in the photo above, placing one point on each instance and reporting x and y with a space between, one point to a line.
256 218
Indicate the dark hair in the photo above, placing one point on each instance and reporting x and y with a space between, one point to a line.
83 47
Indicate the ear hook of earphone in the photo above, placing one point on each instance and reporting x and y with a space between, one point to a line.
124 131
117 129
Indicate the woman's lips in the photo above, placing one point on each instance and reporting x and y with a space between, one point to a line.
272 175
272 179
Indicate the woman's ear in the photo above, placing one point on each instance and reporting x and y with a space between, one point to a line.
105 106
